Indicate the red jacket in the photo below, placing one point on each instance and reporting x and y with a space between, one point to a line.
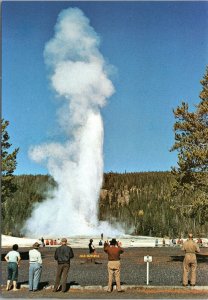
113 252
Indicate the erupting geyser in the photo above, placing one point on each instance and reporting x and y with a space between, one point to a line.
79 77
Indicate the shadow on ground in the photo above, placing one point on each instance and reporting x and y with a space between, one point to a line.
201 258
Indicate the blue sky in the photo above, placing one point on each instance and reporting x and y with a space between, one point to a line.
159 51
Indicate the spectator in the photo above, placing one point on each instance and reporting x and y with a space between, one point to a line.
100 243
13 258
42 241
190 262
113 251
163 242
199 241
35 268
63 254
91 247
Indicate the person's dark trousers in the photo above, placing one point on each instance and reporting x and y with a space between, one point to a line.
62 272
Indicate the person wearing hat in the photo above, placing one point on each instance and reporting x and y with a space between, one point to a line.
62 255
35 268
113 250
190 262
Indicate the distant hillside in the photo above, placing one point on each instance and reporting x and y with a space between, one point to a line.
31 189
138 201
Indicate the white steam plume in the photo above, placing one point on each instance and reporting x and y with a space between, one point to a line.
79 77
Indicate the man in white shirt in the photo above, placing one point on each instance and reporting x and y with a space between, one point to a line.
35 268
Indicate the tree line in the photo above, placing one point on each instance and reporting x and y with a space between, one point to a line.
139 202
30 190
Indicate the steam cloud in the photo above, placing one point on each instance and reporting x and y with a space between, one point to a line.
79 76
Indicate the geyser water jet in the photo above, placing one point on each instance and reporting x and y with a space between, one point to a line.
78 74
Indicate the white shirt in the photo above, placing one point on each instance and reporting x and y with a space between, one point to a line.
35 256
13 256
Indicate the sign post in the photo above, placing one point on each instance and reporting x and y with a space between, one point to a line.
147 259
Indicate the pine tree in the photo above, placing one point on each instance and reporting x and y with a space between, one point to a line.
8 165
190 192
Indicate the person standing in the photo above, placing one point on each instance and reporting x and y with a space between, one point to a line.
35 268
190 262
114 266
91 247
13 258
163 242
42 241
63 254
92 250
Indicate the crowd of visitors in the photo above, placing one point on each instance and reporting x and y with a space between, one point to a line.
64 253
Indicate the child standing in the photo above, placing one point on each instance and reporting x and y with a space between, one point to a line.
13 259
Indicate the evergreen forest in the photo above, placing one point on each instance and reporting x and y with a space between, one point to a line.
139 202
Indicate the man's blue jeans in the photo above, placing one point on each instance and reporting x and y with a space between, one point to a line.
34 276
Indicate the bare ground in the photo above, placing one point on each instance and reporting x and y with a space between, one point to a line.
165 270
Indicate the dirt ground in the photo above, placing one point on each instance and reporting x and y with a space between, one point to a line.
132 294
165 270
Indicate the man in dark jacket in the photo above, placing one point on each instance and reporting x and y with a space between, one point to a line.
113 250
63 255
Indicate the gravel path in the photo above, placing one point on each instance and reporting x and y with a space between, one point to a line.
165 270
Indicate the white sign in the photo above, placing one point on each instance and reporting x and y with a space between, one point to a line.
147 258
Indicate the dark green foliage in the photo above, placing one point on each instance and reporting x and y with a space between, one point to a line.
8 164
138 201
31 189
190 189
